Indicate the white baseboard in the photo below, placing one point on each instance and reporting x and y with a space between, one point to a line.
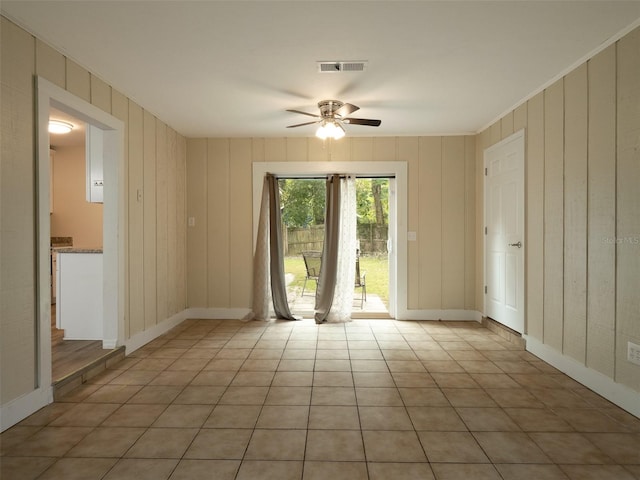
447 315
20 408
217 313
109 344
621 395
144 337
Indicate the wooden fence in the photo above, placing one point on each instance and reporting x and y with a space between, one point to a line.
298 240
373 239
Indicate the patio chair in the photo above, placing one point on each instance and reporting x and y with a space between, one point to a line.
361 281
312 262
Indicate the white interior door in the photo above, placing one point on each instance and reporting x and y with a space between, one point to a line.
504 234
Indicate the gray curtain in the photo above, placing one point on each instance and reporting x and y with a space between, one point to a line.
329 270
278 285
261 275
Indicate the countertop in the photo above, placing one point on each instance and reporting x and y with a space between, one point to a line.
77 250
57 242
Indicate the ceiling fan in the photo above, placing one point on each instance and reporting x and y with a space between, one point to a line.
333 114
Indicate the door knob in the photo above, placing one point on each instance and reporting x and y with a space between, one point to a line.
519 244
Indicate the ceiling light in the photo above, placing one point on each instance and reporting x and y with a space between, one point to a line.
56 126
330 129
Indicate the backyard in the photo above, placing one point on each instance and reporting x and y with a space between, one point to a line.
375 266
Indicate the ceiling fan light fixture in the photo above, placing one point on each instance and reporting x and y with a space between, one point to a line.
57 126
333 114
338 132
330 129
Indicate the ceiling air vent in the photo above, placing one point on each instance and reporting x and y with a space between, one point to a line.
334 67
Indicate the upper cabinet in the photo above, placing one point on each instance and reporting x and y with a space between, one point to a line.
95 154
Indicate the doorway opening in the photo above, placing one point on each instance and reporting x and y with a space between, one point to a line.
303 229
76 222
109 240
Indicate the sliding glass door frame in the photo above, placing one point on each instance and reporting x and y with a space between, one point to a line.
397 173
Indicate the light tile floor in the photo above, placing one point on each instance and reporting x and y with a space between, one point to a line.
377 399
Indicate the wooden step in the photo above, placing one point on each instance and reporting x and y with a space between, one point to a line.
505 332
79 376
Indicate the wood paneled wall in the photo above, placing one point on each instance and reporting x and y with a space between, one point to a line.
17 214
582 204
155 179
441 210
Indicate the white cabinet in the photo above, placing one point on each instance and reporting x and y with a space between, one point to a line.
79 295
94 158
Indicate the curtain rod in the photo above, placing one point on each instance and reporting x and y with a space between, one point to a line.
324 177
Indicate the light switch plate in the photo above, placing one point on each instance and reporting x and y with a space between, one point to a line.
191 221
412 236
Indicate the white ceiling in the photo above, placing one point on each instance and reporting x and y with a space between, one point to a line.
212 68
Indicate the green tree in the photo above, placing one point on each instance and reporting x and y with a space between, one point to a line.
364 200
302 201
372 200
379 192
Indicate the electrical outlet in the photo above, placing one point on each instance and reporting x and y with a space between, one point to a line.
633 353
191 221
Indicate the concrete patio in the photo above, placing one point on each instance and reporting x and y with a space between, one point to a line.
303 305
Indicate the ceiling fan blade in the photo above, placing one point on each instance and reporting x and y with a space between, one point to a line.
304 113
302 124
362 121
346 109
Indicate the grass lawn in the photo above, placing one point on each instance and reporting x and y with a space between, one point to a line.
377 268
